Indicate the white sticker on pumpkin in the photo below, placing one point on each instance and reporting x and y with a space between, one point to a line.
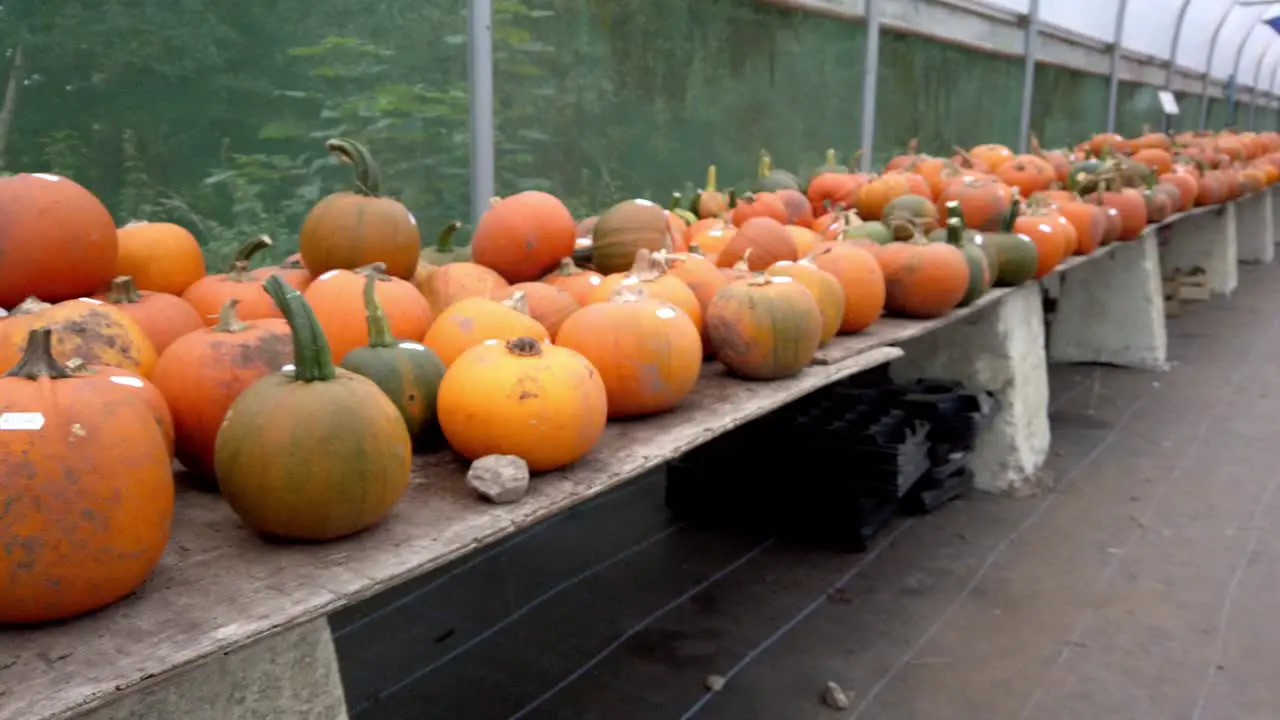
21 421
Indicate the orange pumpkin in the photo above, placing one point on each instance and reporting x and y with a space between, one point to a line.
1028 173
523 236
650 273
472 321
762 204
87 488
624 230
767 240
209 294
1157 159
711 240
923 279
485 408
1089 221
160 257
709 202
829 191
799 212
860 278
765 327
1131 206
993 155
574 280
806 240
984 203
703 278
292 271
648 352
347 230
1048 237
85 328
337 299
548 304
459 281
201 373
878 193
163 317
57 241
116 380
824 287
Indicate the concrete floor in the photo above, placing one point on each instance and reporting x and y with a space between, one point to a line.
1140 583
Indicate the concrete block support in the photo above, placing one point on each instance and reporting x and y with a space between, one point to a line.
1000 349
1255 233
292 674
1111 310
1205 240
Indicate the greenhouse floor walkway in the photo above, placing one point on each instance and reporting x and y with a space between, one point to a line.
1140 581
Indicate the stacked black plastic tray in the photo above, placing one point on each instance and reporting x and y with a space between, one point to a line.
835 466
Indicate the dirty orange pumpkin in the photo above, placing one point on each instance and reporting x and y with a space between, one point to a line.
823 285
291 270
472 321
458 281
650 273
574 280
109 379
764 328
337 299
923 279
91 330
763 204
767 241
163 317
210 293
860 278
547 304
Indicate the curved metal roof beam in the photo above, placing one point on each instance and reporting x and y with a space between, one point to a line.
1213 47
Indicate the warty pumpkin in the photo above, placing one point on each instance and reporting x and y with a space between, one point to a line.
109 379
824 287
650 272
209 294
351 229
860 278
765 239
624 230
469 322
312 452
648 352
159 256
574 280
163 317
57 240
336 299
922 279
94 331
547 304
765 327
200 375
523 236
545 404
408 372
87 487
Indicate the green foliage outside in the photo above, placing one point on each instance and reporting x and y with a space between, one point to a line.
214 114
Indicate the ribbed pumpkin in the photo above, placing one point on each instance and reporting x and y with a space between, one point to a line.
824 287
547 304
486 406
766 239
523 236
624 230
923 279
87 489
765 327
163 317
116 380
336 299
408 372
291 270
209 294
159 256
85 328
57 241
312 452
650 273
574 280
351 229
200 375
469 322
648 352
458 281
860 278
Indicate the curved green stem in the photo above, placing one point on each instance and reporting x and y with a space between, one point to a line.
368 175
955 232
733 199
954 211
444 240
1012 215
123 291
312 358
38 360
831 157
244 256
379 330
765 166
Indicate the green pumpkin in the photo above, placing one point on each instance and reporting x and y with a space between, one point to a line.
444 251
971 237
1016 255
979 272
674 208
875 231
409 373
770 179
906 214
831 165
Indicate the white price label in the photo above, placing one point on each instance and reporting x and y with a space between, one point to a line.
21 421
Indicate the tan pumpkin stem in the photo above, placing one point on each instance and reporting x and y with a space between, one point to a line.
37 359
765 165
368 175
524 347
629 293
760 278
30 306
376 269
647 266
379 329
244 256
567 268
710 187
123 291
228 321
518 302
857 155
913 146
831 157
744 265
77 366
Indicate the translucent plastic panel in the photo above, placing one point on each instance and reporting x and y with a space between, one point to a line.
1095 18
1244 23
1017 6
1068 106
1149 26
624 98
218 121
1197 30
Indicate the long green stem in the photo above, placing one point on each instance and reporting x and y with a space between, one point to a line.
38 360
312 358
379 330
444 240
955 232
368 174
244 256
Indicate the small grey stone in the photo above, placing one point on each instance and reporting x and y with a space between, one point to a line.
499 478
834 697
715 683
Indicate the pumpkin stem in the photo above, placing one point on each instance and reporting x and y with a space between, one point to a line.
955 232
711 179
758 279
733 198
744 265
312 358
444 240
1012 215
30 306
524 347
954 210
244 256
123 291
831 157
765 165
567 267
228 322
293 262
695 249
1034 142
647 266
368 175
379 331
518 302
38 360
628 293
913 146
